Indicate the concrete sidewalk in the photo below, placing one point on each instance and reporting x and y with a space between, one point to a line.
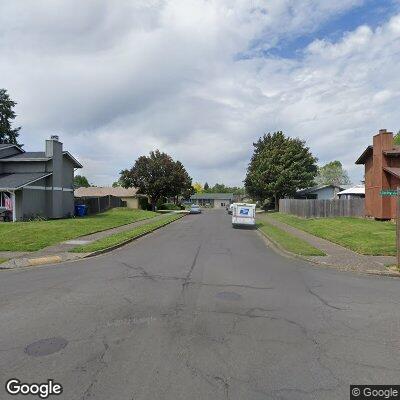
336 255
62 251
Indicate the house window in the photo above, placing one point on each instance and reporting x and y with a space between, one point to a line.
222 204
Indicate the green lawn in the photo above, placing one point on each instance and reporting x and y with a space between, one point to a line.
288 241
3 260
364 236
35 235
122 237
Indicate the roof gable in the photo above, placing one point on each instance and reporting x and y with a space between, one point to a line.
365 155
319 187
393 171
29 156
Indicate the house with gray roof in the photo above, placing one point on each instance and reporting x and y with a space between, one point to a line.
321 192
215 200
39 183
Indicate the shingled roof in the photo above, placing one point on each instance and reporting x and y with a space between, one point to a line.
94 191
17 181
212 196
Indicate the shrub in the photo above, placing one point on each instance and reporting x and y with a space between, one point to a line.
169 206
144 204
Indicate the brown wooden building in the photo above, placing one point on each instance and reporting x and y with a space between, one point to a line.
382 171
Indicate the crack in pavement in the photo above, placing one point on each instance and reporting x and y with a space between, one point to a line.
143 272
323 301
157 277
225 383
231 285
194 283
189 274
250 314
103 364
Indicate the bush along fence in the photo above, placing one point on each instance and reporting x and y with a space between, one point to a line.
309 208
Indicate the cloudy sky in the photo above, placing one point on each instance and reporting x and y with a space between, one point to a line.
200 79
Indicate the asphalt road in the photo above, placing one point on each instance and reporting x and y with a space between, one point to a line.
198 310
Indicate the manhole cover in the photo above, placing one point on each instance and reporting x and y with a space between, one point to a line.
45 347
228 296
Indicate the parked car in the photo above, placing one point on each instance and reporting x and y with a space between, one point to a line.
195 209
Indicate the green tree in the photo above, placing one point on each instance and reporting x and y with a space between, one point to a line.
397 139
117 183
8 134
198 188
81 181
157 176
221 188
278 167
181 182
332 173
206 187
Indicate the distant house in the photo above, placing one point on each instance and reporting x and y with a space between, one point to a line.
353 192
37 183
321 192
215 200
382 174
129 196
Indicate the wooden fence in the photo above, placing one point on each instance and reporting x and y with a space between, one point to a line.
99 204
308 208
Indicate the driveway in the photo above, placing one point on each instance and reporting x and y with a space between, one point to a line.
198 310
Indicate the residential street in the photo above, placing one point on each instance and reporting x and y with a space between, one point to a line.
198 310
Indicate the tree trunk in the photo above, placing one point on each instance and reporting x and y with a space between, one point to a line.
276 202
153 204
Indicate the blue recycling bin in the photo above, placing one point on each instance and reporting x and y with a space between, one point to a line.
80 210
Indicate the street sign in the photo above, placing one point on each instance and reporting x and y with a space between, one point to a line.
388 192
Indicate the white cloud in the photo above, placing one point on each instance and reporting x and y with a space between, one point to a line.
118 81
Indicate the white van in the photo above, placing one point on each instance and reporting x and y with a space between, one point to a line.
243 214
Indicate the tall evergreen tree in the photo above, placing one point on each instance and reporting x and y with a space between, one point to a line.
8 134
279 166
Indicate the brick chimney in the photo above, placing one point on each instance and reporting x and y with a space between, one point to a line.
382 141
54 150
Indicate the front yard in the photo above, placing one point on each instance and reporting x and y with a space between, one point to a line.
123 237
35 235
364 236
287 241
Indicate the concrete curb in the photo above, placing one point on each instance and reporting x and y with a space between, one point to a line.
280 250
44 260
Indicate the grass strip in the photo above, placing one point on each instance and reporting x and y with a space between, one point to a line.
3 260
362 235
288 241
121 237
35 235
